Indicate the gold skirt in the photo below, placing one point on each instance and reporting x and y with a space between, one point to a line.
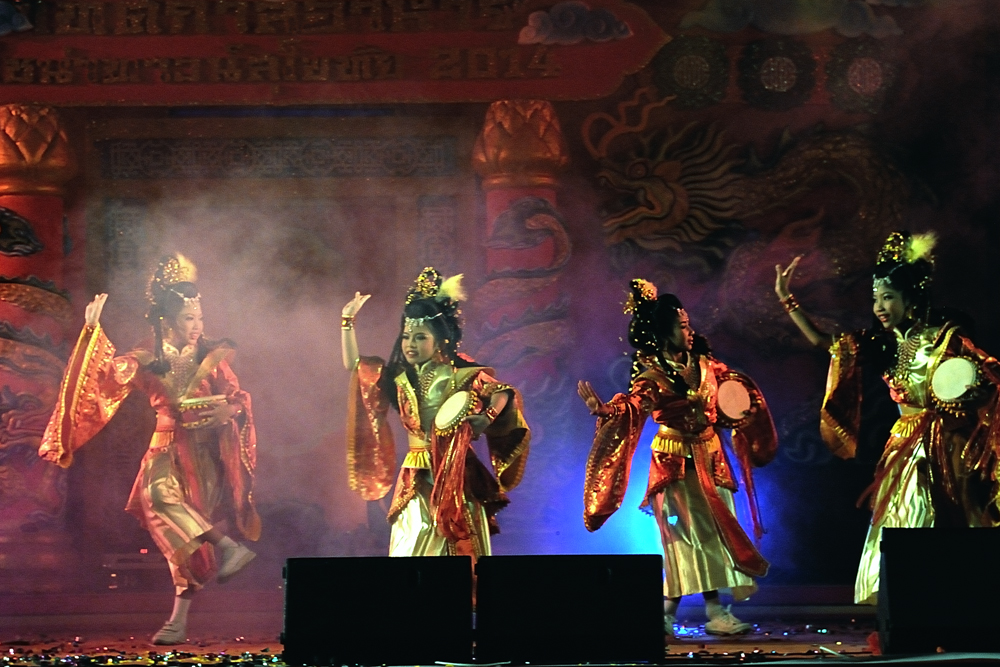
414 532
172 521
695 558
910 508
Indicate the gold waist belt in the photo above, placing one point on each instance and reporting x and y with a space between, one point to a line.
671 441
907 424
419 455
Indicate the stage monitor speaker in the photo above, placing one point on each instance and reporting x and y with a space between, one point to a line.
569 609
939 588
373 611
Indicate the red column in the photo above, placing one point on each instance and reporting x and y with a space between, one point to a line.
35 162
522 305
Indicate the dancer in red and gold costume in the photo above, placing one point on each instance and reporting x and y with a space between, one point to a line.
201 457
676 380
939 467
445 498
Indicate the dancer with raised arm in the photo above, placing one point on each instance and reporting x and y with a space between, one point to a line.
939 464
201 457
445 500
692 396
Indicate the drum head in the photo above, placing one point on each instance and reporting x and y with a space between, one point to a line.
952 378
453 410
202 402
733 399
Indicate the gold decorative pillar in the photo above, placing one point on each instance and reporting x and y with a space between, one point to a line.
519 155
35 163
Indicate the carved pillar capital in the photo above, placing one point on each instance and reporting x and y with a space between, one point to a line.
521 145
35 155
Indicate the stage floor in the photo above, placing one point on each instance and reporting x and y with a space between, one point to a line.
242 628
769 641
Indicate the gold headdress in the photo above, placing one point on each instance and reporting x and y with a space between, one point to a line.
903 247
169 271
448 292
645 290
914 250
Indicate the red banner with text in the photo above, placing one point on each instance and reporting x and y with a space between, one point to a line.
178 52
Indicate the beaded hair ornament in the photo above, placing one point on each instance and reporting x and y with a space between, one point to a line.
905 248
447 292
169 271
642 306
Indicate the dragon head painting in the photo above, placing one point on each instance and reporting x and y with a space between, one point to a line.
672 187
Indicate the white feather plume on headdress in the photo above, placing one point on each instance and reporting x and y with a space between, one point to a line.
451 288
920 247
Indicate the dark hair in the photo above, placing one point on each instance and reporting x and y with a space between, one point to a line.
442 317
167 305
653 322
911 281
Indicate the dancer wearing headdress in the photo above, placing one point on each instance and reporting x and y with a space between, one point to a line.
200 461
446 499
939 466
676 381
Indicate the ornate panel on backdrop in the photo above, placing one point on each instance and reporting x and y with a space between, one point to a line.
325 51
306 157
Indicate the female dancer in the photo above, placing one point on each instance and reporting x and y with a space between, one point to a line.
937 466
445 498
198 459
676 380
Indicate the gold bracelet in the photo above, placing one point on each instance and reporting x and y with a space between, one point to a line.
347 322
491 413
790 304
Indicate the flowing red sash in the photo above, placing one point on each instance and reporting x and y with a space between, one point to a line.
448 495
746 558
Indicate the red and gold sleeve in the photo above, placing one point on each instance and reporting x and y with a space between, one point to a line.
508 437
610 459
371 450
840 416
238 449
93 387
755 443
988 364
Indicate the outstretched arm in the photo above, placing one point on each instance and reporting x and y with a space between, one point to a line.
782 282
596 406
348 340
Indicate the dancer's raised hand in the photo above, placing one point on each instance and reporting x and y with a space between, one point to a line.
783 278
589 396
92 315
354 305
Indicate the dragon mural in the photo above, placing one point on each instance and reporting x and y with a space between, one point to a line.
685 191
527 223
17 237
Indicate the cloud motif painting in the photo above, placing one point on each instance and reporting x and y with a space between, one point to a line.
573 22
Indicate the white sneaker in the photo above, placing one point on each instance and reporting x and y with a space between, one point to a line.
668 625
727 624
234 560
170 634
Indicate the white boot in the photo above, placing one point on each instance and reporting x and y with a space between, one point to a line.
234 559
725 623
171 633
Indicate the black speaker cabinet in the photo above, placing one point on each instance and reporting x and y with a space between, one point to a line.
373 611
569 609
939 588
